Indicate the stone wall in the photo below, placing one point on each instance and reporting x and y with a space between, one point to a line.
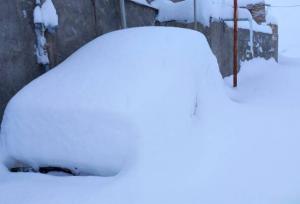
220 39
80 21
220 35
258 11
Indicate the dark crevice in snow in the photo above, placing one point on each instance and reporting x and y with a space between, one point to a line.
43 170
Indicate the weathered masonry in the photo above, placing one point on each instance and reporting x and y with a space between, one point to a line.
81 21
219 34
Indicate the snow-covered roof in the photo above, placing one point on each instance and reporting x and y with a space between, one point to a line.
144 3
248 2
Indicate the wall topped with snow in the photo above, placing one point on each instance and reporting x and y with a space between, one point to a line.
95 129
220 35
247 2
207 11
17 59
256 37
79 22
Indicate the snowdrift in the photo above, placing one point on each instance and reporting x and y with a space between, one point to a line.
91 112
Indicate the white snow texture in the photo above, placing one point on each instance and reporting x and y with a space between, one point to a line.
91 111
46 14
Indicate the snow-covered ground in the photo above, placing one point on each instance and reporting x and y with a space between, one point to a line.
243 150
101 101
289 29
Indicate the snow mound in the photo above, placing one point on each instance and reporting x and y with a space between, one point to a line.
183 10
91 112
49 14
46 14
142 2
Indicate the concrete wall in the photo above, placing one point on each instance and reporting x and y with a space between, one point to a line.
76 28
17 61
80 21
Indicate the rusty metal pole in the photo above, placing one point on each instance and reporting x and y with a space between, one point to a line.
235 45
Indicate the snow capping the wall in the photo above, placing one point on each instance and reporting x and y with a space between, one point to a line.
92 111
206 9
142 2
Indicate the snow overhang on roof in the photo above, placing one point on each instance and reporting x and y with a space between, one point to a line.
144 3
249 2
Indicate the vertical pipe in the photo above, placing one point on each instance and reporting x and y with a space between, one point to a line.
95 16
235 45
123 14
195 15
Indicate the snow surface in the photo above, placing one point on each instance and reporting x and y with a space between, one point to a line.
2 168
246 2
91 111
46 14
37 15
289 29
184 10
142 2
244 152
216 9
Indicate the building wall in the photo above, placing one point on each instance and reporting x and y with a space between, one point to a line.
258 11
221 36
220 39
17 61
80 21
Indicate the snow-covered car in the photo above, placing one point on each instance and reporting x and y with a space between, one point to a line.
144 110
94 112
